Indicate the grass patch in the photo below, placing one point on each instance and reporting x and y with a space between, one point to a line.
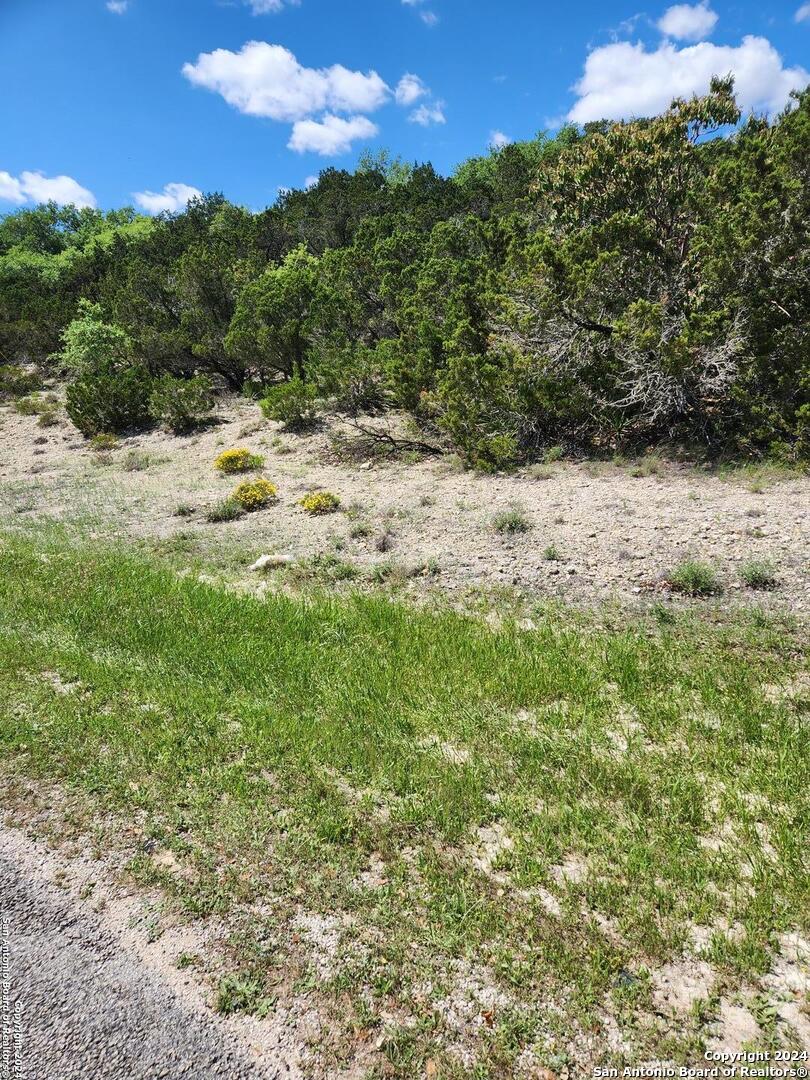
694 579
415 785
759 574
511 522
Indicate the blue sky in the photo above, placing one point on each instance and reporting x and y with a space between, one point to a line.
113 102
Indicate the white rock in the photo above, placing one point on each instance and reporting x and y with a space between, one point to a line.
266 562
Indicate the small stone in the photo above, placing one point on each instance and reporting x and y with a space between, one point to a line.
266 562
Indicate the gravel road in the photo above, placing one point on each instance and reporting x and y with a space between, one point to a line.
86 1006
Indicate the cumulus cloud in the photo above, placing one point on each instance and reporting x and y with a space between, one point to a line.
11 189
267 80
330 135
803 14
623 80
409 89
117 7
426 115
174 197
688 22
35 187
498 140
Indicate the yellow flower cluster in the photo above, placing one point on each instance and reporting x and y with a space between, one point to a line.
320 502
238 460
252 494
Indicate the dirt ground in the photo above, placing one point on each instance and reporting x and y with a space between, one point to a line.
613 531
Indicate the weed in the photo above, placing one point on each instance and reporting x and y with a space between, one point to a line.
511 522
552 553
136 461
758 574
184 510
320 502
104 441
254 494
226 510
242 994
554 453
238 460
694 579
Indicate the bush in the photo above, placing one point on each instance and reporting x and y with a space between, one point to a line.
238 460
15 381
226 510
181 404
104 441
511 521
292 404
694 579
89 344
253 494
320 502
758 574
109 401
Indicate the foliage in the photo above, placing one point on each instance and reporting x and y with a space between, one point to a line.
292 404
16 381
225 510
104 441
511 521
254 494
607 288
238 460
759 574
320 502
112 401
694 579
181 404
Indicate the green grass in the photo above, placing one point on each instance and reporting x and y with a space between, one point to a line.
759 574
511 522
694 579
417 779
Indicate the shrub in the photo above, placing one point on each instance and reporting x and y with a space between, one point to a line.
91 345
181 404
48 417
511 522
292 404
104 441
253 494
15 381
320 502
238 460
552 553
554 453
136 461
109 401
36 404
758 574
694 579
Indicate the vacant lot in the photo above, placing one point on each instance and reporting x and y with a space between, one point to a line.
594 532
405 840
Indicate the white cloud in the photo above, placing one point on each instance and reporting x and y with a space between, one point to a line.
623 80
688 22
498 140
270 7
426 115
117 7
803 14
429 18
310 182
174 197
331 135
10 189
267 80
409 89
35 187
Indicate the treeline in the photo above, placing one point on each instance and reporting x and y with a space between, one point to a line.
626 283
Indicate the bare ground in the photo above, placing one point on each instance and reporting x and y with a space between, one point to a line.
615 535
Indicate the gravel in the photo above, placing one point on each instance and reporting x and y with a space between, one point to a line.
91 1007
